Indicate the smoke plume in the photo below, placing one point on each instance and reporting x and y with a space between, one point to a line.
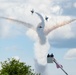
40 51
41 57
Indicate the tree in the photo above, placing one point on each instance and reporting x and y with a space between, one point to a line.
15 67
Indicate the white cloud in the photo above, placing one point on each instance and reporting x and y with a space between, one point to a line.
56 9
62 32
5 30
13 1
74 4
16 57
63 37
32 34
8 31
71 54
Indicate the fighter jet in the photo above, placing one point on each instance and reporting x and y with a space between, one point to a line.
46 18
32 11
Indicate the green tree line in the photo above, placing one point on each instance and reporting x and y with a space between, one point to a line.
15 67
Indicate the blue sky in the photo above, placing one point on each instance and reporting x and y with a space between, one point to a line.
14 39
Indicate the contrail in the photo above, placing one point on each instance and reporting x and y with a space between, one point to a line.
41 46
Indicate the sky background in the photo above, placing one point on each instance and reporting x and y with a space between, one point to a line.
15 39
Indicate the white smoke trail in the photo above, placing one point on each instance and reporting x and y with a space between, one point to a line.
42 69
41 57
41 51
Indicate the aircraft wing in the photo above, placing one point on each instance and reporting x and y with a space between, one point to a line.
47 31
18 21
